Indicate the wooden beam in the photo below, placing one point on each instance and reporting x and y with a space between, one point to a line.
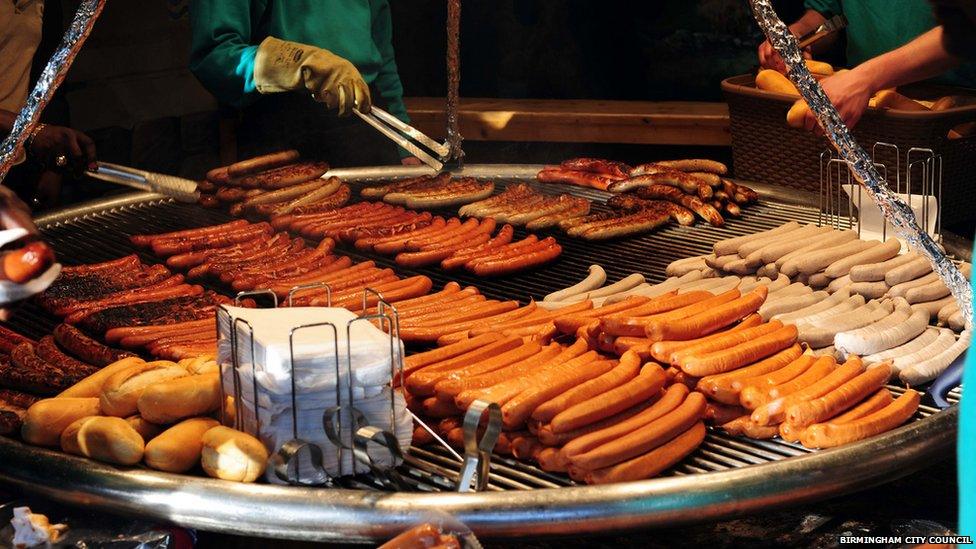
579 121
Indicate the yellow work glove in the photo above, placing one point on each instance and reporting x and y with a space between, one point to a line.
289 66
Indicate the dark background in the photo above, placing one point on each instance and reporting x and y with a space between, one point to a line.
130 88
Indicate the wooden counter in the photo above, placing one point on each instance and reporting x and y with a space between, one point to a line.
579 121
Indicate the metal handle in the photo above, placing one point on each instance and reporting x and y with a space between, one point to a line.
477 452
400 140
947 381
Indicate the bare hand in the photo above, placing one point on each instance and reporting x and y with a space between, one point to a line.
769 58
53 141
849 92
411 161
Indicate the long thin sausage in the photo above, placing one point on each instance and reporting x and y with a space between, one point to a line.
627 369
653 462
822 408
709 321
827 435
725 387
648 383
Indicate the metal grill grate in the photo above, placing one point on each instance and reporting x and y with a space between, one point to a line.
104 235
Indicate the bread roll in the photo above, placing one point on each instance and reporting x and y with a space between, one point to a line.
204 364
178 448
819 67
770 80
47 418
108 439
173 400
91 386
232 455
146 430
122 390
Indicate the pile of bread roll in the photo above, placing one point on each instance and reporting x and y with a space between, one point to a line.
160 413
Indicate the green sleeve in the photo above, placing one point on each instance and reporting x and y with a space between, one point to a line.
388 80
827 8
221 55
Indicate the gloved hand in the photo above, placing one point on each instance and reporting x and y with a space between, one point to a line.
289 66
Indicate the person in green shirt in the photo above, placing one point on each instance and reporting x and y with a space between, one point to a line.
296 69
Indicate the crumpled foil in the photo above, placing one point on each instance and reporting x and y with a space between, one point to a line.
899 214
54 73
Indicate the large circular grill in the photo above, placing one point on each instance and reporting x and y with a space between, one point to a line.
725 476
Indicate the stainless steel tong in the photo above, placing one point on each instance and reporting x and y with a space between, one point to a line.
830 26
181 189
408 137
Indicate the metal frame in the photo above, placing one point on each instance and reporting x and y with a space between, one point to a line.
354 515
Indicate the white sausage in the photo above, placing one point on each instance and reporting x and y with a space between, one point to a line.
931 368
900 289
928 292
821 305
742 266
771 252
829 240
896 329
874 272
813 262
822 333
946 311
944 341
851 303
719 262
933 307
923 340
626 283
797 288
731 245
839 283
816 280
755 247
768 271
790 303
957 321
870 290
909 271
683 266
878 251
778 283
596 277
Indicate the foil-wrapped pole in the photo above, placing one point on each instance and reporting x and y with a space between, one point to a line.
899 214
54 73
454 79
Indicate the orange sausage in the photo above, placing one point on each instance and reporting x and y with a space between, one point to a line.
822 408
724 360
488 349
506 390
547 437
642 387
646 438
708 321
414 362
640 345
433 407
746 427
555 380
794 392
754 391
568 324
670 352
422 383
653 462
627 369
724 388
688 303
878 400
720 414
827 435
670 400
451 386
773 408
553 460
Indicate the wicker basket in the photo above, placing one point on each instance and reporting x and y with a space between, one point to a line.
766 149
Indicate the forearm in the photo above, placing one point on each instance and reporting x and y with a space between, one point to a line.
810 21
922 58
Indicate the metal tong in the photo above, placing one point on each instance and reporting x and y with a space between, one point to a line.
181 189
405 136
830 26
